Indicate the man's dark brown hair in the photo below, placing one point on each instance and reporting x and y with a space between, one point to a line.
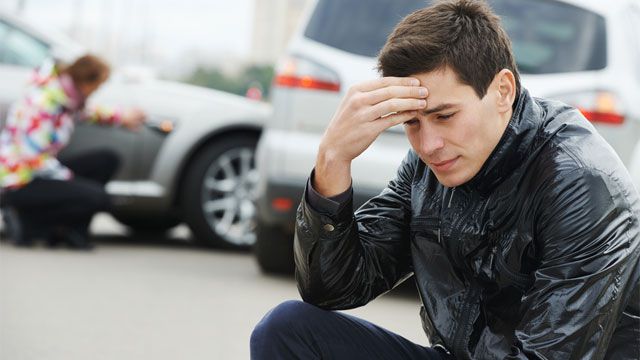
88 69
463 34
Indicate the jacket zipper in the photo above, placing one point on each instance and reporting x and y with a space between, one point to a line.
453 190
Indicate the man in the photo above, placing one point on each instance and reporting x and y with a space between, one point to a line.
518 221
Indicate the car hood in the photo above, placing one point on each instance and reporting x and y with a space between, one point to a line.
170 98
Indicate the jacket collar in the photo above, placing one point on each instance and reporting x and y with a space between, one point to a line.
513 148
75 100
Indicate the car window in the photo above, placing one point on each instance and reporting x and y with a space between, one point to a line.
548 36
356 26
4 31
552 36
19 48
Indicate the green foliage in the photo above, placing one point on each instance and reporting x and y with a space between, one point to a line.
254 75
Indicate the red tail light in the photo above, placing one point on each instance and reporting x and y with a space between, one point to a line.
603 117
301 73
305 82
282 204
601 107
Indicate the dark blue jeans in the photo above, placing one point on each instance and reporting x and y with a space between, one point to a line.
297 330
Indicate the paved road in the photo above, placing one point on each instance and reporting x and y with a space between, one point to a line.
147 299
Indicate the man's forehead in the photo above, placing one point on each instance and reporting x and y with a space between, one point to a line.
439 107
445 90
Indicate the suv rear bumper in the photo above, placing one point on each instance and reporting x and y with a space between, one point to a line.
278 190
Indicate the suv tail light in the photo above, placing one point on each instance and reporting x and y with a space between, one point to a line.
602 107
294 72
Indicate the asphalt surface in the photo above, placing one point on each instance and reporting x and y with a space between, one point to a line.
153 298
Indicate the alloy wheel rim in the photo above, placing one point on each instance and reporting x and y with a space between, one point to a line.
228 196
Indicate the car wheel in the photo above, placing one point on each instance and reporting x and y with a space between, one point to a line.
151 224
273 250
219 193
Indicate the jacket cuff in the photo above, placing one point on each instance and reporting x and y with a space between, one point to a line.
331 206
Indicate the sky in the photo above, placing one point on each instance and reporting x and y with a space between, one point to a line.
165 34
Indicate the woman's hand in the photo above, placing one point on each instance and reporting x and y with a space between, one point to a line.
133 118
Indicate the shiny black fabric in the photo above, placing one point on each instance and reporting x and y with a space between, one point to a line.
537 257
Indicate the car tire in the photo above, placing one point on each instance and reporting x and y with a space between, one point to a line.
151 224
273 250
218 194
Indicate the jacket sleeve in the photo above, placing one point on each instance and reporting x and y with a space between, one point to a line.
346 260
41 113
588 244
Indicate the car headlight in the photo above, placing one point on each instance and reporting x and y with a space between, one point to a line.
161 124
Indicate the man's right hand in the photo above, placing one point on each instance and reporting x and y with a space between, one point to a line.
365 112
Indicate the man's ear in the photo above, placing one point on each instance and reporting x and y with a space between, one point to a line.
506 87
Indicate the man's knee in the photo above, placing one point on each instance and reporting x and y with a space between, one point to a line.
281 319
288 318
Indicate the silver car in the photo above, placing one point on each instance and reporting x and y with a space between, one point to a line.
193 162
585 53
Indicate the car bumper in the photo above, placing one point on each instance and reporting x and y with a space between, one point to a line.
271 209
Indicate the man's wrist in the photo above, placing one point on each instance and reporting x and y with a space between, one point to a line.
328 205
332 175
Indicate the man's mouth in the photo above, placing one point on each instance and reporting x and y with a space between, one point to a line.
443 165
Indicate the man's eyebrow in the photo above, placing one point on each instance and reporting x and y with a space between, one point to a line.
438 108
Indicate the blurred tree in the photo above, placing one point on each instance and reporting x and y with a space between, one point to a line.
261 74
214 78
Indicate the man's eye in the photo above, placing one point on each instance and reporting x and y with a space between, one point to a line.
445 117
411 122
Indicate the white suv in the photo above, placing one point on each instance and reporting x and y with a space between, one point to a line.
585 53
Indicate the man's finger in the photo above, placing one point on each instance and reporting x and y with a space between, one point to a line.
386 81
394 119
395 105
386 93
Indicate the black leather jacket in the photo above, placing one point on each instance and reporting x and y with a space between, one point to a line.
536 257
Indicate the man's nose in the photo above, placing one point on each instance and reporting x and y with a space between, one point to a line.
430 141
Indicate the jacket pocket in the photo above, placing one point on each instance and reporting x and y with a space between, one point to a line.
511 277
426 228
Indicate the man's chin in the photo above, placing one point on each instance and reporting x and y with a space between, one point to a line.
449 180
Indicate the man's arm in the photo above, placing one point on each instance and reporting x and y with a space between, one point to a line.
588 242
344 260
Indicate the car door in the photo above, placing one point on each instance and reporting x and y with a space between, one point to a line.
126 144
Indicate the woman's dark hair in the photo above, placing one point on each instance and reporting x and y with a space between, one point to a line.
88 69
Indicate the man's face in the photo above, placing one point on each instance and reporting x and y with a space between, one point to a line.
457 131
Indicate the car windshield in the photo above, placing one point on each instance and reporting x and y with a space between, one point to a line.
20 48
548 36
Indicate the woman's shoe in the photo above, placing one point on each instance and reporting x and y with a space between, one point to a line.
56 236
17 231
78 240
